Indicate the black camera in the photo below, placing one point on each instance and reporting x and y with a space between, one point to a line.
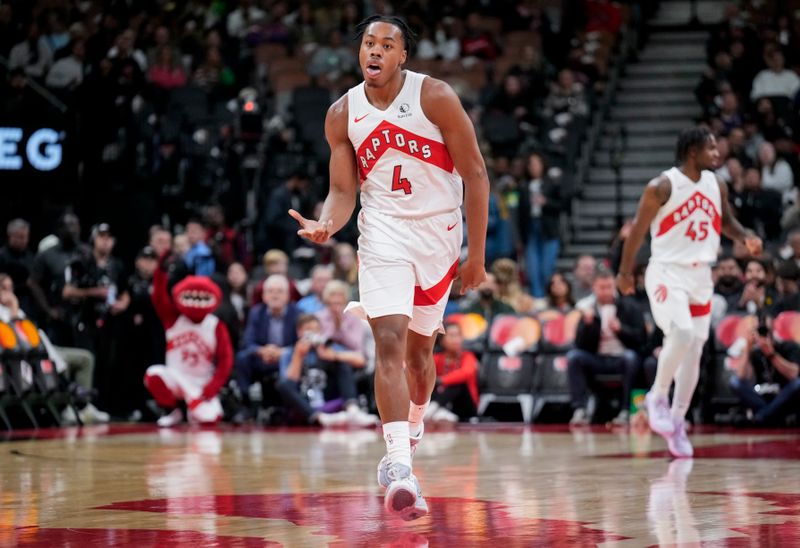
763 328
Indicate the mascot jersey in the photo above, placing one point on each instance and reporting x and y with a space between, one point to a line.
198 343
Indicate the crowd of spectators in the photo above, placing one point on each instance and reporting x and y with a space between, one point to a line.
198 124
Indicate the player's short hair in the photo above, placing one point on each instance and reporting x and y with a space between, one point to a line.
409 36
690 139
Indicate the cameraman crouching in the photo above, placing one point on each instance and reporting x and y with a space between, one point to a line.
304 386
766 379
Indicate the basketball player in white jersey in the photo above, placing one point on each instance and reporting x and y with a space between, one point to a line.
686 209
404 140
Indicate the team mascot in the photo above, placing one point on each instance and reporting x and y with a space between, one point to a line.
199 353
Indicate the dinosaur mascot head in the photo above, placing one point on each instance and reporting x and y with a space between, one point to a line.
196 297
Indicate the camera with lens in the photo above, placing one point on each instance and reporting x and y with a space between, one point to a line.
315 339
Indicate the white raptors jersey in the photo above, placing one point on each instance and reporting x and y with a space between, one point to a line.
687 228
191 347
404 167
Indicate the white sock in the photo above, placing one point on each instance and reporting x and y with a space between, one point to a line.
398 447
686 379
676 345
415 416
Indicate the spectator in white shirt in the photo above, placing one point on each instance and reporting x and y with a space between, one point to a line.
33 55
240 19
776 174
67 72
775 80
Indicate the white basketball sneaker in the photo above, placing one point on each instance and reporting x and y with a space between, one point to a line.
385 463
658 414
171 419
678 443
403 496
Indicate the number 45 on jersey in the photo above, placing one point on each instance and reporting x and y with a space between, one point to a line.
697 231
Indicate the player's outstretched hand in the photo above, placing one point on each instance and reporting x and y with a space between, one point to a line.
311 230
754 245
472 274
626 284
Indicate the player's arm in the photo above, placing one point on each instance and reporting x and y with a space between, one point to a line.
732 228
443 107
341 199
656 194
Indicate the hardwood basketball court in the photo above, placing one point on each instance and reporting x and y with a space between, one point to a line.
132 485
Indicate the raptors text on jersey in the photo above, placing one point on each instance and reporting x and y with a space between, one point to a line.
688 227
403 164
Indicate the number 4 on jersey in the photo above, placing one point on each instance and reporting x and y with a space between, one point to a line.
399 183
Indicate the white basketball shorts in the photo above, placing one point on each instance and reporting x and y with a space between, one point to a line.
406 266
680 295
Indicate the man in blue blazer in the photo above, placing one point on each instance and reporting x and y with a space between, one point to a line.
271 326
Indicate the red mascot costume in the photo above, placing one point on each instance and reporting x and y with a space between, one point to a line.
199 353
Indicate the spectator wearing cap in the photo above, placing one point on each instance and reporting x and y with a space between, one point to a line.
96 292
199 258
142 341
16 259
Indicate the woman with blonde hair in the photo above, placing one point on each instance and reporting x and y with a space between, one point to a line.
509 289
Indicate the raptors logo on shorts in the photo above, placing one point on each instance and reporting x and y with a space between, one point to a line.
661 293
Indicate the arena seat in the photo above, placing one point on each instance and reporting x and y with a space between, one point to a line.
558 337
46 390
474 329
16 380
508 377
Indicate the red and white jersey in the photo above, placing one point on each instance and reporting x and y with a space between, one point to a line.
403 164
191 347
687 228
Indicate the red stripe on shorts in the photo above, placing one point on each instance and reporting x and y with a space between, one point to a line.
432 295
700 309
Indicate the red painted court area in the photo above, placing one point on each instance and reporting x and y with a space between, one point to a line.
130 485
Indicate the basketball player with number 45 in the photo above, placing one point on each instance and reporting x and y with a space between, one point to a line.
687 211
406 142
